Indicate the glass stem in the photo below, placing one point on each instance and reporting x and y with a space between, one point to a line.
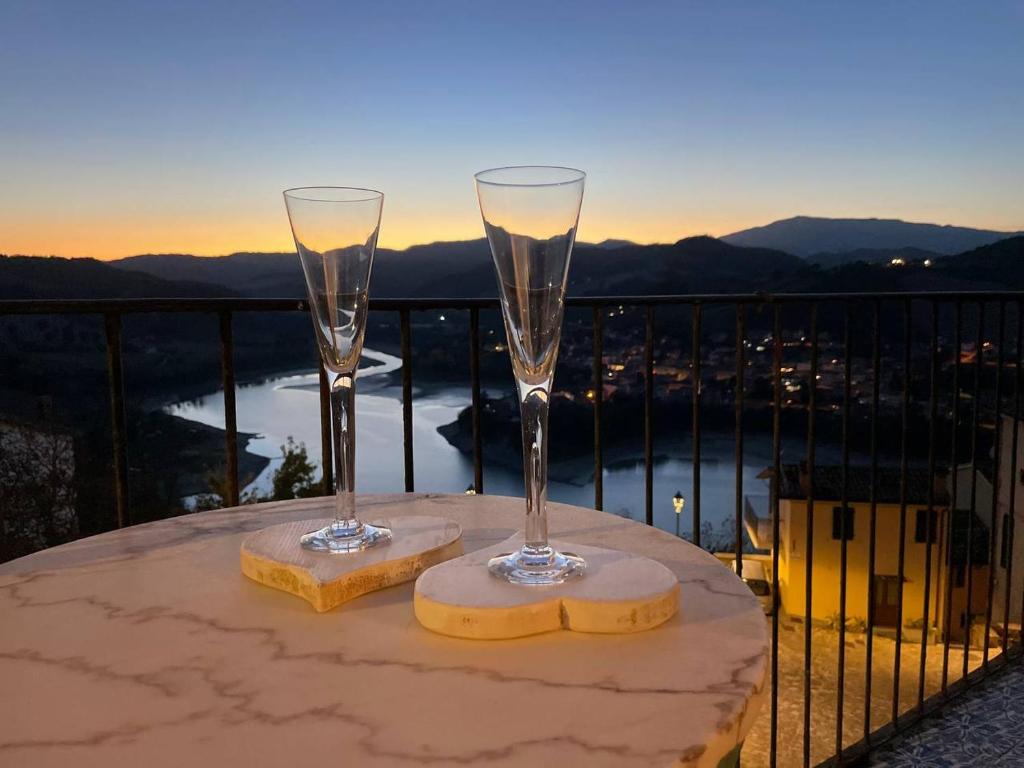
533 409
343 391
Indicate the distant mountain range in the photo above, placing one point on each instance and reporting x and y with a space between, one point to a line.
818 255
807 235
464 269
435 269
48 277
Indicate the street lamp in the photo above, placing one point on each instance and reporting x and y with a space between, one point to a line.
678 502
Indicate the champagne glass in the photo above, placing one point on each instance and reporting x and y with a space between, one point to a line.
335 231
530 214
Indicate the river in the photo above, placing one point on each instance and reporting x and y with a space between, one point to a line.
284 406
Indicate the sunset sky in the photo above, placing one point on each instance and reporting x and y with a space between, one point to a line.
173 127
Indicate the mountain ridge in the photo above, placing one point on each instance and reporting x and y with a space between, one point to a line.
42 277
806 236
464 269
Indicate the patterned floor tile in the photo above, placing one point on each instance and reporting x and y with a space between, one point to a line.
984 729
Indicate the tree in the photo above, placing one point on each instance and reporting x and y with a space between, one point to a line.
295 478
37 494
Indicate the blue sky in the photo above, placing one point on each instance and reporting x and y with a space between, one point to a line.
133 127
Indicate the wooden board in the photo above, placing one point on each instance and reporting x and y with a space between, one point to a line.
619 594
274 558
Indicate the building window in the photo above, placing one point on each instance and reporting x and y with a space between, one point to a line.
842 525
922 531
1004 542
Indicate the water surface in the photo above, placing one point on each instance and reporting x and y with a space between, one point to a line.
285 406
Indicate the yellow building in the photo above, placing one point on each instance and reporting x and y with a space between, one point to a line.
926 537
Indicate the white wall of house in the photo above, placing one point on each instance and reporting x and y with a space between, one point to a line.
982 493
1009 482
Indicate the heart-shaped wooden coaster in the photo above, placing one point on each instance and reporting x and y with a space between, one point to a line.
274 558
620 593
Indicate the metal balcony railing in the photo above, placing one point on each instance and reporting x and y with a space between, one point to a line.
970 405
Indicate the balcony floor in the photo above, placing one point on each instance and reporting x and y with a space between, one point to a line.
983 728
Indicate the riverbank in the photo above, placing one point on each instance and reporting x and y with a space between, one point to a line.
205 448
195 449
289 406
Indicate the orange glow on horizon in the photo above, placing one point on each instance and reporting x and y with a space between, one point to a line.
107 240
223 232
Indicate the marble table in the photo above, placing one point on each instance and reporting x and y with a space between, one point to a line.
148 647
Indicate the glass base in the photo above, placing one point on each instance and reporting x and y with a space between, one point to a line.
537 566
338 538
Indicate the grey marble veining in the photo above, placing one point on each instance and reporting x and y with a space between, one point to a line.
147 647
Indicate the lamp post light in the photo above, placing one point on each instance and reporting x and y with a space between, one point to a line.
678 502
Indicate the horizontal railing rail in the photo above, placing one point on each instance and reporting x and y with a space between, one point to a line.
970 410
245 304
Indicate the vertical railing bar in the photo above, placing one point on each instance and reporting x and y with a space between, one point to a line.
953 491
869 640
975 416
902 544
809 543
933 415
407 443
741 362
843 503
695 425
474 374
1015 478
326 456
598 384
118 428
996 445
1011 482
775 489
117 395
227 371
649 416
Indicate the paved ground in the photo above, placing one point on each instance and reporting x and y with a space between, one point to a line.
984 729
824 687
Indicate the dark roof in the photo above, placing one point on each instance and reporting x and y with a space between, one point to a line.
828 484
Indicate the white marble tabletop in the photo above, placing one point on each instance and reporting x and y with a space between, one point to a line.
148 647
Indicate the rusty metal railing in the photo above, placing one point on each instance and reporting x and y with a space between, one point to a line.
862 320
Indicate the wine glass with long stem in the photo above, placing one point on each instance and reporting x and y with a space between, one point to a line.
335 231
530 214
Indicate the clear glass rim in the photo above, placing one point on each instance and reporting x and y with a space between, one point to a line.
333 194
568 176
